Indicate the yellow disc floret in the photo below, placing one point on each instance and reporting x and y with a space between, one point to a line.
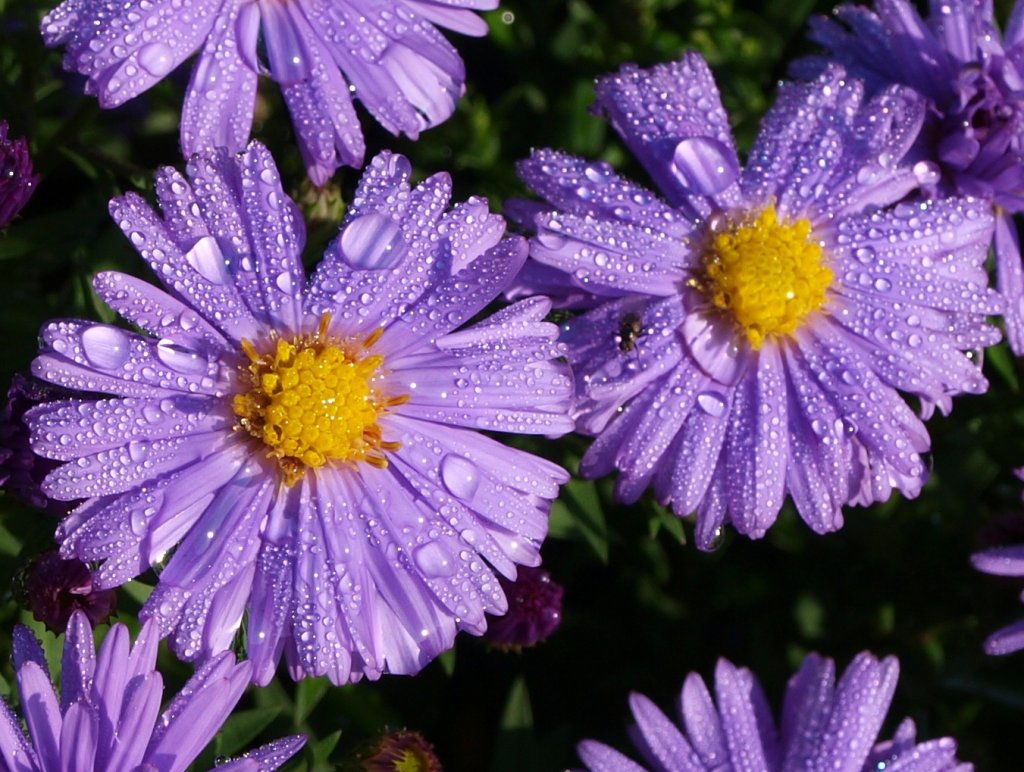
313 400
768 275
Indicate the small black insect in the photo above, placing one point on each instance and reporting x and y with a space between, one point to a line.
630 329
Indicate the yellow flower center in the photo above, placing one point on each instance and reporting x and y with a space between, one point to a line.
313 400
768 275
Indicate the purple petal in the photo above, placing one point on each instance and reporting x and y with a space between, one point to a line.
658 109
42 713
734 688
78 738
221 95
598 757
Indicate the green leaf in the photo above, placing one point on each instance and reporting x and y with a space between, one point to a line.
323 749
308 694
447 661
578 514
515 747
242 728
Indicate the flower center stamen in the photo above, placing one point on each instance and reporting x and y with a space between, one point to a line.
768 275
314 400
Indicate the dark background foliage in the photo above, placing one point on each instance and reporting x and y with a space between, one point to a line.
642 607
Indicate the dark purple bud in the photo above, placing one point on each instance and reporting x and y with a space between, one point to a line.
401 751
21 470
17 183
534 610
57 587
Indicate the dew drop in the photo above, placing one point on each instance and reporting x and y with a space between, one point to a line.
371 241
460 476
434 561
205 256
704 165
179 358
157 59
105 347
711 403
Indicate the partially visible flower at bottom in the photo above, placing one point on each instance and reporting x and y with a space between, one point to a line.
17 183
402 751
106 716
534 610
824 725
56 588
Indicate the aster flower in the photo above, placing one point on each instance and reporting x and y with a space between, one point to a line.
972 78
824 725
534 610
749 335
106 715
308 449
389 54
56 588
17 183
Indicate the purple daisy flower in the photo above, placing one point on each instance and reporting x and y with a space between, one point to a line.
825 725
17 183
749 336
972 78
389 55
309 450
106 715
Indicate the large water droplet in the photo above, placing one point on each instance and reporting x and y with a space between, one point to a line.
157 59
180 358
704 165
460 476
434 561
206 257
106 347
711 403
371 241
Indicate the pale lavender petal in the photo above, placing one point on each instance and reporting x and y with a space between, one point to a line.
1000 561
125 750
221 95
78 738
598 757
734 688
659 739
42 713
671 118
17 753
861 700
78 663
267 757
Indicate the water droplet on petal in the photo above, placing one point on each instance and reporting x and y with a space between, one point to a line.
106 347
371 241
180 358
157 59
460 476
704 165
206 257
711 403
434 561
927 172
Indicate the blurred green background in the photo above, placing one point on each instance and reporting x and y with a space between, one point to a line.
642 608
